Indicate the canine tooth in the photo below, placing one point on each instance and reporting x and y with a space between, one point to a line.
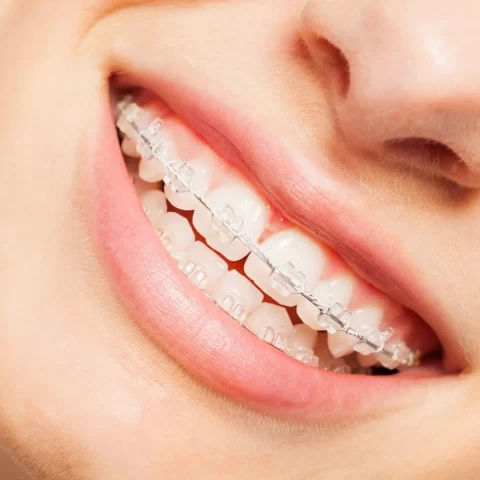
328 292
271 324
175 233
342 344
236 295
154 204
129 148
203 171
297 256
300 345
239 206
202 265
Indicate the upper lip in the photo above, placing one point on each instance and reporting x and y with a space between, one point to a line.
308 191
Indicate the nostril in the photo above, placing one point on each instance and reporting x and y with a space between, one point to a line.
331 63
424 152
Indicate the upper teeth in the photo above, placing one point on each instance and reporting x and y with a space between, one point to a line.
287 265
290 250
241 209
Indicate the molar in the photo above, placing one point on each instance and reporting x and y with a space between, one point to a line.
341 344
175 233
271 324
203 171
202 265
242 208
327 292
297 254
236 295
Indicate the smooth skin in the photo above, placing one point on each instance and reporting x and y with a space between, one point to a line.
85 394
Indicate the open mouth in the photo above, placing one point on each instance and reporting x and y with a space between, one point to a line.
230 251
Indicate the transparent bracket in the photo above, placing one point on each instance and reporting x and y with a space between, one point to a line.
132 121
227 224
235 309
287 280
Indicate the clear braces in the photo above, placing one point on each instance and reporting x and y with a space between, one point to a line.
152 145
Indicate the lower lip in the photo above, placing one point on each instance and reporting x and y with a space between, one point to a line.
202 338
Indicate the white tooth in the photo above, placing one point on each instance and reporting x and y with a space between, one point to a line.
151 170
302 336
328 292
175 233
141 186
154 204
247 212
366 360
236 295
326 360
341 344
203 172
300 344
202 265
129 148
270 323
285 249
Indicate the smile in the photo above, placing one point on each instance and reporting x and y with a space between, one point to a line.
286 267
219 267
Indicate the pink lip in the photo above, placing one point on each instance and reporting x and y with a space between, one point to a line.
188 325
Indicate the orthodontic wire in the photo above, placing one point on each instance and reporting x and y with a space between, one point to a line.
398 354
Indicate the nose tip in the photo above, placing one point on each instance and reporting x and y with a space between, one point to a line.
412 91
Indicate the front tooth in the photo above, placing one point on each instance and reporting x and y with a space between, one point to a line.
154 204
341 344
236 295
300 344
202 265
242 208
175 233
328 292
296 255
203 171
271 324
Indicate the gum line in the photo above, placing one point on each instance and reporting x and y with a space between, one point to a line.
228 225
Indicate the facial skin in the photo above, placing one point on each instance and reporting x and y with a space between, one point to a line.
85 393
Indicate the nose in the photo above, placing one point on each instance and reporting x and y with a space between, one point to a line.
405 79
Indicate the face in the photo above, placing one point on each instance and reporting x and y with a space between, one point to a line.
338 141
